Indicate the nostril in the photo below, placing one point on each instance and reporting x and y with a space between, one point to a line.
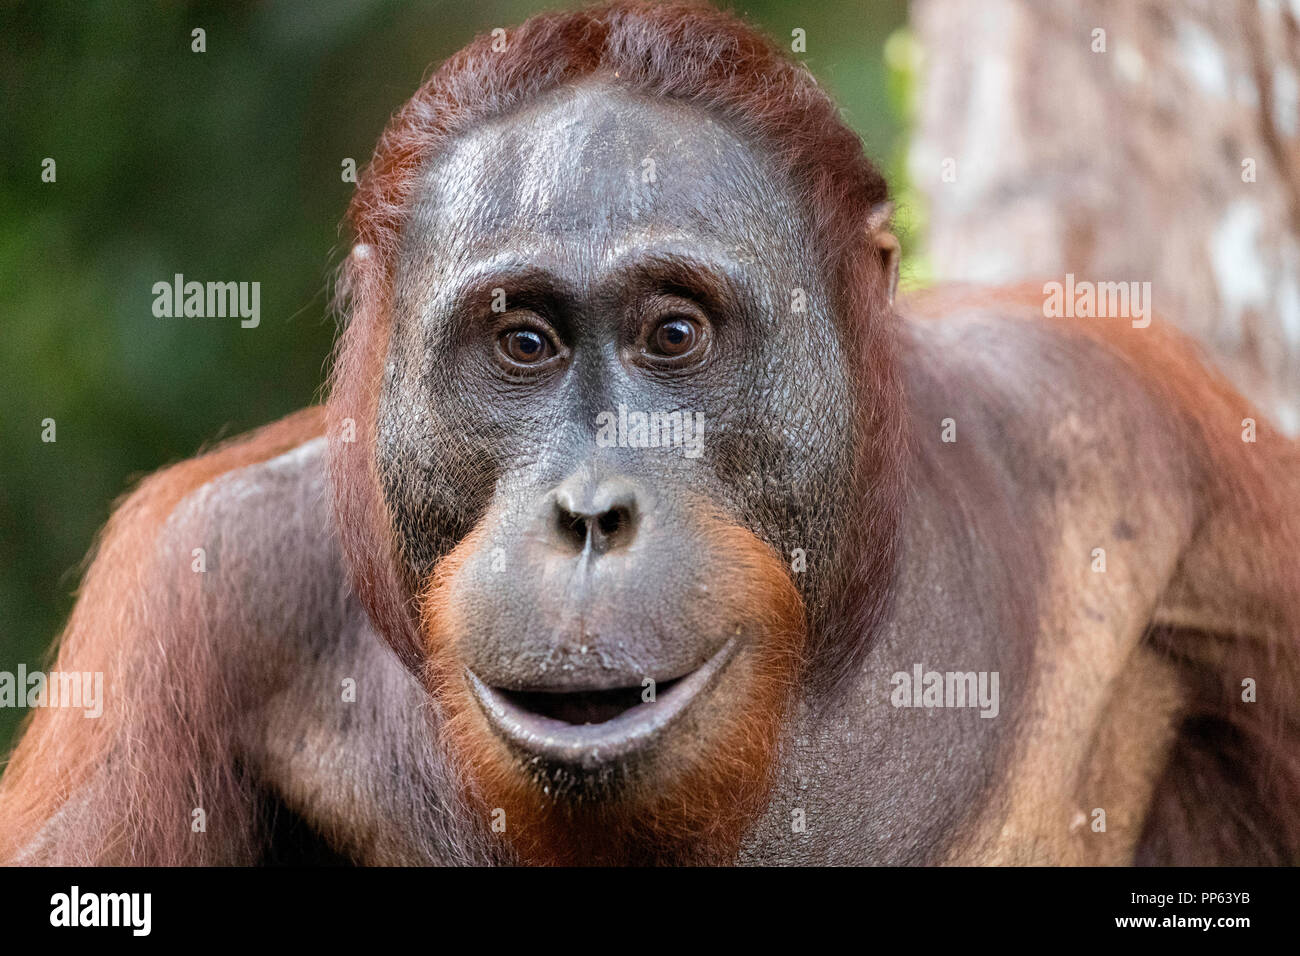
572 527
598 519
613 521
612 528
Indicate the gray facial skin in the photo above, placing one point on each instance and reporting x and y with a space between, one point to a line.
554 206
599 213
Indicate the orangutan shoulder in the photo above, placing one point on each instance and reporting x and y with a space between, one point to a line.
238 545
261 508
1059 398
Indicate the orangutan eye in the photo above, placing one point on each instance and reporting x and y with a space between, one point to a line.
525 346
675 337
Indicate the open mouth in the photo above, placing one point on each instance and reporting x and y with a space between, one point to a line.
591 728
583 707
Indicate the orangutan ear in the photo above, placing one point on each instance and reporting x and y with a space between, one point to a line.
886 244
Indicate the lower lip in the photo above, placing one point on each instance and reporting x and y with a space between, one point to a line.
591 746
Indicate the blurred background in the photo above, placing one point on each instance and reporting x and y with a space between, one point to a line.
1121 140
222 165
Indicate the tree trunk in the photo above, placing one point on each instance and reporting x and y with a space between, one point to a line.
1164 149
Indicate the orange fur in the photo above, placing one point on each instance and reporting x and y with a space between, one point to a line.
693 799
115 622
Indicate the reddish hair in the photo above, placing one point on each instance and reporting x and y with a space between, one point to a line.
688 52
706 791
168 705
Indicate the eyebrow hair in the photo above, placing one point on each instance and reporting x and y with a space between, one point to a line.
514 270
533 277
719 283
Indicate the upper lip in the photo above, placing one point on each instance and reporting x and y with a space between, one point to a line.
590 746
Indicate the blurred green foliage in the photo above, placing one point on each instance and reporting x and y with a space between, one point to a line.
222 165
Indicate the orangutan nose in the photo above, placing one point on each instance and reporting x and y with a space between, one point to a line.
596 516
